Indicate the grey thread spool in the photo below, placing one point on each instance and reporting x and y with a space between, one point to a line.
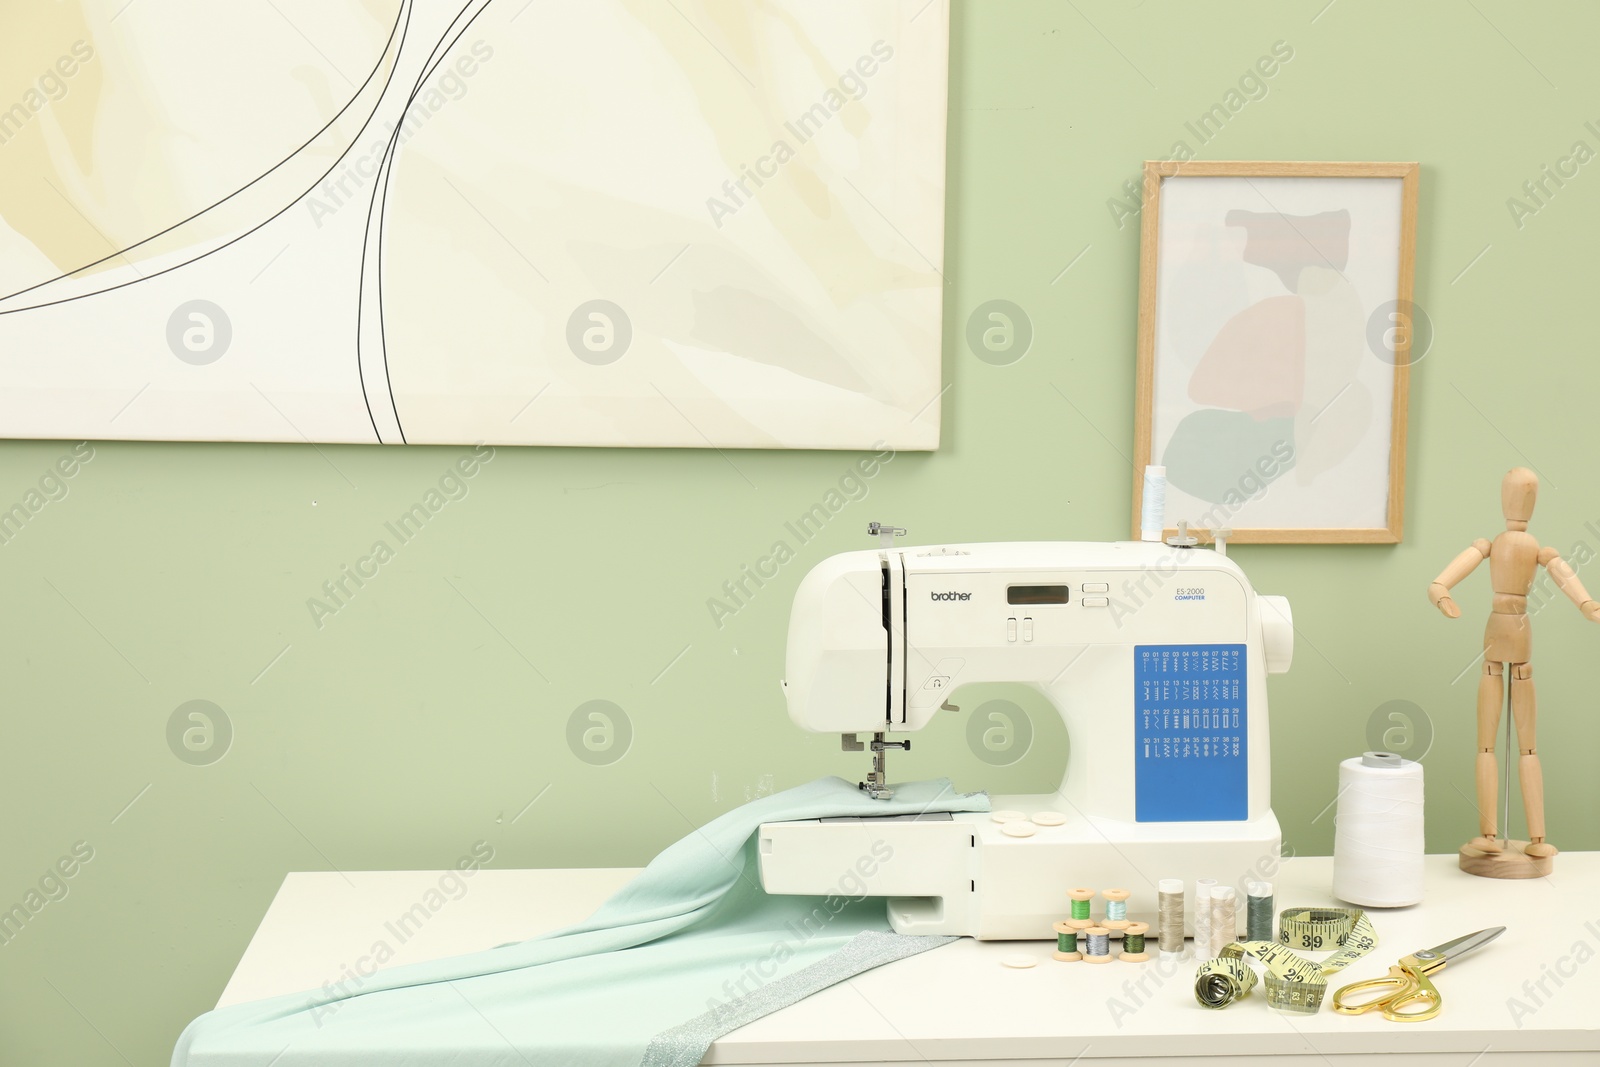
1169 918
1097 945
1259 913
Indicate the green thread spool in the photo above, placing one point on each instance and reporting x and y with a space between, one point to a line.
1066 941
1133 942
1259 913
1080 903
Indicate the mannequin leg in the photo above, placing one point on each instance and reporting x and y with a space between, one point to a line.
1491 694
1525 713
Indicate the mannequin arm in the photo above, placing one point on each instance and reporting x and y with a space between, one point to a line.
1567 582
1460 567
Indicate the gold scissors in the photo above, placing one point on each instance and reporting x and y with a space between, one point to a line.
1407 985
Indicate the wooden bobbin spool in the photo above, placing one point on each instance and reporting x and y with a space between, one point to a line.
1065 927
1115 924
1082 895
1098 931
1138 930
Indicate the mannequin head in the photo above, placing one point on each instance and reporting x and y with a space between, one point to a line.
1518 491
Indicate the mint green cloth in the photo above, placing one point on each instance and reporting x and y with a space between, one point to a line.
689 950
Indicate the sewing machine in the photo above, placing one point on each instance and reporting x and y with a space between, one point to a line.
1155 655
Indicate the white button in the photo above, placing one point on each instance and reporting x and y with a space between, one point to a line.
1096 587
1021 963
1027 629
1017 829
1011 629
1049 818
1094 601
1006 816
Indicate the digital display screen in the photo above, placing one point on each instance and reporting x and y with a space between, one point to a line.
1036 594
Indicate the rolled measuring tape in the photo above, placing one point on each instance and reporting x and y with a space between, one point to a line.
1294 983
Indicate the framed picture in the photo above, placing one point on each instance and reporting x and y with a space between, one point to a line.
1276 333
607 223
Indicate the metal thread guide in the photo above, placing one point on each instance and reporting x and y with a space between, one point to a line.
885 534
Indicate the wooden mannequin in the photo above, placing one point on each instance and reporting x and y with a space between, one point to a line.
1514 558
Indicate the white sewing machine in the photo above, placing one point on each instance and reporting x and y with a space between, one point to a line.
1156 657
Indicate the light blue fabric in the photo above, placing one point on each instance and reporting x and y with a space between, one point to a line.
688 950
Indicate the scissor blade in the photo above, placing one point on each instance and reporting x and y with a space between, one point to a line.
1462 945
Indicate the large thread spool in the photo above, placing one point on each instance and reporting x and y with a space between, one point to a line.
1169 917
1258 911
1224 918
1377 840
1202 917
1153 505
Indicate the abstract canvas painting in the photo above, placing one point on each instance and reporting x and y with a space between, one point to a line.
1276 335
693 223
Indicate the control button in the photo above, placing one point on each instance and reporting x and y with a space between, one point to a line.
936 681
1096 587
1094 601
1011 629
1027 629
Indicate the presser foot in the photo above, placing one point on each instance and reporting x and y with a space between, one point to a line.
875 787
877 784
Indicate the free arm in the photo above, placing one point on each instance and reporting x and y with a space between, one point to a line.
1567 582
1459 568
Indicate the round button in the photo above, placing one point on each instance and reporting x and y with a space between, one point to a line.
1049 818
1019 962
1017 829
1006 816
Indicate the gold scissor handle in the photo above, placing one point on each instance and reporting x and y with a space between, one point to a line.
1405 996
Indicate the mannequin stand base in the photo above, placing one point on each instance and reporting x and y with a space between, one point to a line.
1509 862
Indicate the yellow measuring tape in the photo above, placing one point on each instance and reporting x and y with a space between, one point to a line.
1294 983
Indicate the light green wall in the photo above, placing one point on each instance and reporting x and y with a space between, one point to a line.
426 714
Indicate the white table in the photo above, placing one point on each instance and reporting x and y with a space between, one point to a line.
957 1005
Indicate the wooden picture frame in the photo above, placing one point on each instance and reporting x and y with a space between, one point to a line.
1259 375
